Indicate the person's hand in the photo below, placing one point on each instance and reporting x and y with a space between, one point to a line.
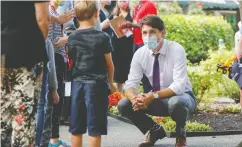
61 42
55 96
40 77
127 24
66 16
142 101
138 103
113 89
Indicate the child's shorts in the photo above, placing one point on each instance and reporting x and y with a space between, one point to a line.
89 108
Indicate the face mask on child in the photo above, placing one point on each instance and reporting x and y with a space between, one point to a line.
151 42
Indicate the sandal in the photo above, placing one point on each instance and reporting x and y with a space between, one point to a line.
58 144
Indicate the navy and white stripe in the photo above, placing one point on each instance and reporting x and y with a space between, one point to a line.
55 32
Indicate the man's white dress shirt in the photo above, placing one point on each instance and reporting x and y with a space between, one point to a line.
173 68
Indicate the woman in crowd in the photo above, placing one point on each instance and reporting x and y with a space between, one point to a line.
25 26
59 41
123 47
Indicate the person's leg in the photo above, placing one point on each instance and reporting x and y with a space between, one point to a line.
179 108
6 107
76 140
145 123
139 118
66 100
94 141
57 108
20 94
46 135
78 121
120 87
96 98
40 110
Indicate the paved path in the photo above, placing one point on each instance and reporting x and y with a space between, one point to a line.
125 135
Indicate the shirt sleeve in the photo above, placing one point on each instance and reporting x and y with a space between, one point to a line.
179 72
107 45
135 74
53 84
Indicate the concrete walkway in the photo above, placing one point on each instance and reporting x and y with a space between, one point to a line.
121 134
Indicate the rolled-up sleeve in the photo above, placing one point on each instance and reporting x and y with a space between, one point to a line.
179 72
135 74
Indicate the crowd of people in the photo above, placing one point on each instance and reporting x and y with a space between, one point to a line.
43 40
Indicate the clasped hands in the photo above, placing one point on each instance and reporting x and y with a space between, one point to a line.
141 101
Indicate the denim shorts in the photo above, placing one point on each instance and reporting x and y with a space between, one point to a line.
89 108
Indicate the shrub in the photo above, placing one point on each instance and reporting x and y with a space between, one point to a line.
221 84
194 8
170 126
207 82
233 108
114 110
198 33
169 8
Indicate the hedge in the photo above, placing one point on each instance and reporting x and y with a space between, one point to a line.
198 33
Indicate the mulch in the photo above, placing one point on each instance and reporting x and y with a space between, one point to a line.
219 122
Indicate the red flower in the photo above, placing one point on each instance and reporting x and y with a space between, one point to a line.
114 99
21 107
19 119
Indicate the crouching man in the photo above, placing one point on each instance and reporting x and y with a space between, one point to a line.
164 63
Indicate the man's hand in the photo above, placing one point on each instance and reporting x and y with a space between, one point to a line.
142 101
55 96
66 16
61 42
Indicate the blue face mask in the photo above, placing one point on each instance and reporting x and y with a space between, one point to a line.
150 42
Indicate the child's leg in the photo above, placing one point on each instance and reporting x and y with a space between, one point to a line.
76 140
57 108
78 114
94 141
96 98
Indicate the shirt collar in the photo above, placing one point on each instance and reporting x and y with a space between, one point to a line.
163 49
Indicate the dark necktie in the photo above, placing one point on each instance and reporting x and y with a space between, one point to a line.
156 74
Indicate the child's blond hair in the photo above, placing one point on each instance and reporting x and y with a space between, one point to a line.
85 9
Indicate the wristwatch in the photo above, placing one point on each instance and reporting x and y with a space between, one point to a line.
155 95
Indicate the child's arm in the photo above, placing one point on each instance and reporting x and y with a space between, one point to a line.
110 67
53 84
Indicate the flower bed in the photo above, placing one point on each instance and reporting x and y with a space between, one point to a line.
204 121
168 124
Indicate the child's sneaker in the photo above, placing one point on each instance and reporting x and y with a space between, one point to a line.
59 143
